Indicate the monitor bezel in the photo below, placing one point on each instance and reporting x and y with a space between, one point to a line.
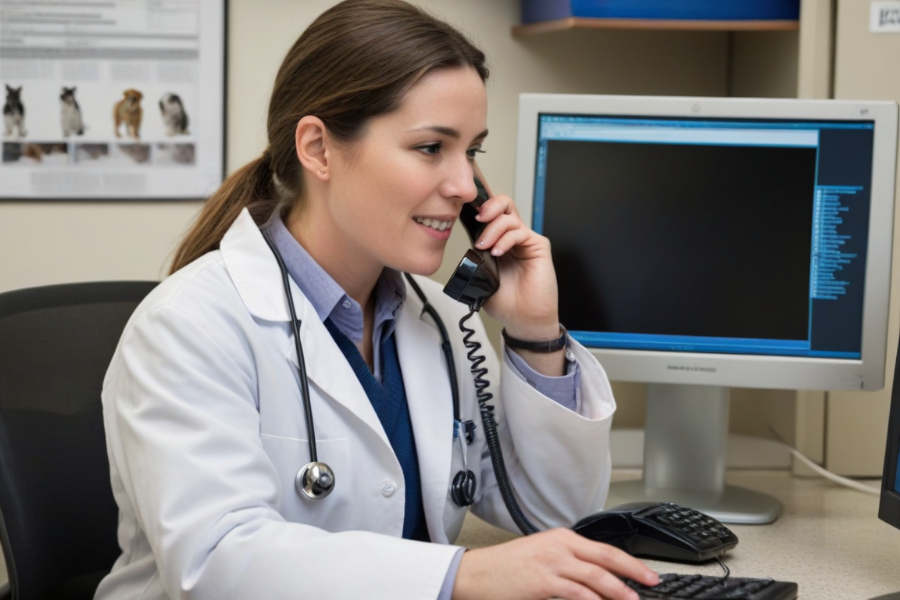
866 373
889 507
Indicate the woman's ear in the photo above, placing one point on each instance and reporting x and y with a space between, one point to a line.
311 144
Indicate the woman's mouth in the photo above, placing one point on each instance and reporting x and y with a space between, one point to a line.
433 223
436 228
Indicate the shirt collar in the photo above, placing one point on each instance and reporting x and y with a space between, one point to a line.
327 298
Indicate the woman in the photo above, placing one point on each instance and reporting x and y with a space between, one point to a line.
375 118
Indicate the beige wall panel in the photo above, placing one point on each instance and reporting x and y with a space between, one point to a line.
48 243
631 399
754 412
815 56
857 421
764 64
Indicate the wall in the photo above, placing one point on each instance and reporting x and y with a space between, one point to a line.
59 242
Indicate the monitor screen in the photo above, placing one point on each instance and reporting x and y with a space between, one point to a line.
718 241
707 235
897 475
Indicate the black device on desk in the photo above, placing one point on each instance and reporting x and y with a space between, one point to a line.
668 531
665 531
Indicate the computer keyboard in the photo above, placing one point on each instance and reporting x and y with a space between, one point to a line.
699 587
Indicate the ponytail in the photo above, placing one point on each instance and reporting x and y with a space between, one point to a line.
250 187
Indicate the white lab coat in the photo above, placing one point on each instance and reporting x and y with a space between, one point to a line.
205 432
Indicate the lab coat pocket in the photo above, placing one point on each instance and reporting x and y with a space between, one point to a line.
289 455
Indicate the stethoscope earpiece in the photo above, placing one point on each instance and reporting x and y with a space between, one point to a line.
314 481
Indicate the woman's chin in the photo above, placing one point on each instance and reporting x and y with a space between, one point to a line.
426 267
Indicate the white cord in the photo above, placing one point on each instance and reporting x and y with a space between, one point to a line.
850 483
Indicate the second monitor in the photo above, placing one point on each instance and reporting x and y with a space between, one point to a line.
703 243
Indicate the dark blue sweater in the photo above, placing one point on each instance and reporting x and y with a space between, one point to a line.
388 398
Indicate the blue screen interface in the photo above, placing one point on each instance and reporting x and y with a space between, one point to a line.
707 235
897 477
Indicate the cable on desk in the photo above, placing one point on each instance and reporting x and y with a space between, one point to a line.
850 483
724 566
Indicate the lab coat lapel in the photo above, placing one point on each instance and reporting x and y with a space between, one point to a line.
327 368
430 407
256 275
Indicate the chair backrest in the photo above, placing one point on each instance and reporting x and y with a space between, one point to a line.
58 518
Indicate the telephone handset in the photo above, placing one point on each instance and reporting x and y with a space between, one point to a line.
478 276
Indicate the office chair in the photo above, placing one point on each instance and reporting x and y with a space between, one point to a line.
58 518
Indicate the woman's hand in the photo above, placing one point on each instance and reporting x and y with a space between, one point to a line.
552 564
527 301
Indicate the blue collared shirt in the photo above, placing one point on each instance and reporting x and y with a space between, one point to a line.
329 300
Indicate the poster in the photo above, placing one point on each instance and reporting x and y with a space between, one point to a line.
112 100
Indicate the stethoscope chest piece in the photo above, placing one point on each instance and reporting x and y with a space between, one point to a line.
314 481
462 492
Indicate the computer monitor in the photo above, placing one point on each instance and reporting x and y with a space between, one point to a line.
889 508
702 243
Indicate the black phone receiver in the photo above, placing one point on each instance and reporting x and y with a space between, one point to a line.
477 276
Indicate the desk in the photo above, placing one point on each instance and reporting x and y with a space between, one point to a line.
828 539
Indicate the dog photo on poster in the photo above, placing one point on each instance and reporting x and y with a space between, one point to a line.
124 103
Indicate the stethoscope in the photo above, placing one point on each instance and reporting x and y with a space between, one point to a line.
315 480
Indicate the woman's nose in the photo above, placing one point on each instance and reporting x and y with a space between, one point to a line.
461 184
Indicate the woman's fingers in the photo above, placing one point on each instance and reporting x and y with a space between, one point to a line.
558 563
616 561
600 581
506 232
496 206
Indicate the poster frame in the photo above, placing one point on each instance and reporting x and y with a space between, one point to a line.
139 198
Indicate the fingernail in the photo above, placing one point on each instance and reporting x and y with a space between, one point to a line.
495 251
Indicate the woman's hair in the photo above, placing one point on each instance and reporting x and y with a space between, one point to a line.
355 61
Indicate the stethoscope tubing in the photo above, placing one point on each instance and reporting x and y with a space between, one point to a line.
445 344
301 363
316 480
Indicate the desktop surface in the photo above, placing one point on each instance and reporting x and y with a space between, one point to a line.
828 539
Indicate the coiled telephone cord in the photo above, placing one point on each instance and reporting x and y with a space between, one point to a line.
490 427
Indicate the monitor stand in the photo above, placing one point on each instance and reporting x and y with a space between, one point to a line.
685 442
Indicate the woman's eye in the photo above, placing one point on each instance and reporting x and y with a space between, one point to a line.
471 152
430 149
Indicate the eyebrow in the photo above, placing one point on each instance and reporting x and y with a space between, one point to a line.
449 131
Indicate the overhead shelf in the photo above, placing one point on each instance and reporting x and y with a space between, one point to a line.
665 24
